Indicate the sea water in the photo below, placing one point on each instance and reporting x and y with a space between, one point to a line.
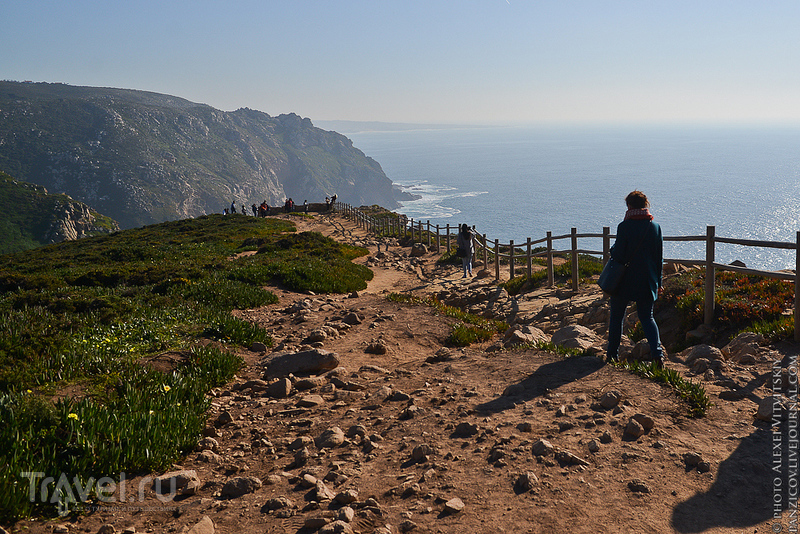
518 182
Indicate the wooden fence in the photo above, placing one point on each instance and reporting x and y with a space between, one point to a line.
510 253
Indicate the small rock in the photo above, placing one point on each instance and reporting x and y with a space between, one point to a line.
322 492
606 437
330 438
353 319
421 453
566 457
465 430
224 418
346 497
278 503
645 420
280 389
593 446
204 526
347 514
610 399
208 444
542 447
453 506
407 526
310 401
638 486
634 429
238 486
337 527
184 482
692 459
108 528
525 482
379 347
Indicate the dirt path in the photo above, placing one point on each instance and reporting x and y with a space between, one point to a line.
438 439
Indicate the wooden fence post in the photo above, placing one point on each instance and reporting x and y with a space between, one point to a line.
606 244
574 259
511 260
551 281
530 260
429 233
497 259
708 308
797 288
485 254
438 239
448 238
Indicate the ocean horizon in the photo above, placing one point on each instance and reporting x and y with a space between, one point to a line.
515 182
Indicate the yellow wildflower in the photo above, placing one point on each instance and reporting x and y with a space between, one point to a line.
73 416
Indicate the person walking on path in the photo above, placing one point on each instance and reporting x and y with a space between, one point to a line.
466 249
640 245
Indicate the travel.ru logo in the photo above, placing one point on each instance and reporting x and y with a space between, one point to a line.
69 494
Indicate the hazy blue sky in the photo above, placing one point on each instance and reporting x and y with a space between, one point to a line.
478 61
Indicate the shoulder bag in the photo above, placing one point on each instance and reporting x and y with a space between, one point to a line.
611 276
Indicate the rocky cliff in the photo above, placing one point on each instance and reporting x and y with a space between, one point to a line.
143 157
32 217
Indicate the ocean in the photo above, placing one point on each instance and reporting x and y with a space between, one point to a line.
520 182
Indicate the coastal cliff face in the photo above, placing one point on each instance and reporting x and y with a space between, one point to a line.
143 158
32 217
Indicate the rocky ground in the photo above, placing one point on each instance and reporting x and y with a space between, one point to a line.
377 426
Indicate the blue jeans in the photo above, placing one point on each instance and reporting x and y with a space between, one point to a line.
617 317
466 262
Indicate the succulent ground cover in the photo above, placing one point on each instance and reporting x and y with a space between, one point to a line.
89 316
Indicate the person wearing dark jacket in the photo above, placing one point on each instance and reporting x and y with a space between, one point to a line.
467 248
639 241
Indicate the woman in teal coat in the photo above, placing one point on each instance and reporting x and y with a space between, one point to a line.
639 241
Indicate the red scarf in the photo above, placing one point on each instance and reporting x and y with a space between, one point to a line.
639 214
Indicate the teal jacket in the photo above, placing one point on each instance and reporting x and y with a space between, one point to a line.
643 276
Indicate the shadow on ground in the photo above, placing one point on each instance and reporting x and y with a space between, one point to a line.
742 493
547 377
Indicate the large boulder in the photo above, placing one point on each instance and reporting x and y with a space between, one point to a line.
308 362
518 335
701 351
575 337
743 348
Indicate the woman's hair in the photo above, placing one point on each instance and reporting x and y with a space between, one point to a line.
637 200
464 228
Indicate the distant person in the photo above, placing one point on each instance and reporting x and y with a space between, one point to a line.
255 210
465 249
233 208
327 203
244 212
333 201
640 244
305 206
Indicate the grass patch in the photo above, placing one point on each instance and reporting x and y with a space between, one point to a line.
80 315
693 393
468 330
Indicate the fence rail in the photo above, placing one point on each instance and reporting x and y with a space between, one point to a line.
512 252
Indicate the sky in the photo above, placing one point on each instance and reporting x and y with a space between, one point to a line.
427 61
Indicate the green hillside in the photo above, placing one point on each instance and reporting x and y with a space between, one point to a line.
82 320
